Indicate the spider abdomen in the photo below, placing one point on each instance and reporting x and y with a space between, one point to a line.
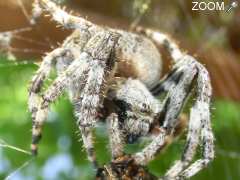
137 61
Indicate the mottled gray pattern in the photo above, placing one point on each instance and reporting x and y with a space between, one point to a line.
98 66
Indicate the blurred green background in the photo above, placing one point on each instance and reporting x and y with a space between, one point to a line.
61 155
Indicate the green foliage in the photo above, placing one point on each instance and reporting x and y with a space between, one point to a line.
60 148
141 6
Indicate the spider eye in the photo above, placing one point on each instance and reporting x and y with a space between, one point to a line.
132 138
144 105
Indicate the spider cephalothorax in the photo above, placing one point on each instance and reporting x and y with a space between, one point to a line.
118 73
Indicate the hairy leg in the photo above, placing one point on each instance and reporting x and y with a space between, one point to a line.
168 82
190 69
116 136
149 152
177 96
39 106
101 68
34 99
90 66
202 106
59 15
202 116
172 108
199 124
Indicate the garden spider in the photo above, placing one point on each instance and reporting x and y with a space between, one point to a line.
116 74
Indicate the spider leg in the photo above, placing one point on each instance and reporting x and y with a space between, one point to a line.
34 98
198 117
59 15
177 96
199 122
40 105
202 121
40 76
207 137
170 112
116 136
149 152
208 153
97 69
88 103
168 82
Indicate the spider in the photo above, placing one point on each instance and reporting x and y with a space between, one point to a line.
114 74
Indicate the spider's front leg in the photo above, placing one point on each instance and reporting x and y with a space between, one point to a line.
93 68
100 49
199 124
200 110
178 84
